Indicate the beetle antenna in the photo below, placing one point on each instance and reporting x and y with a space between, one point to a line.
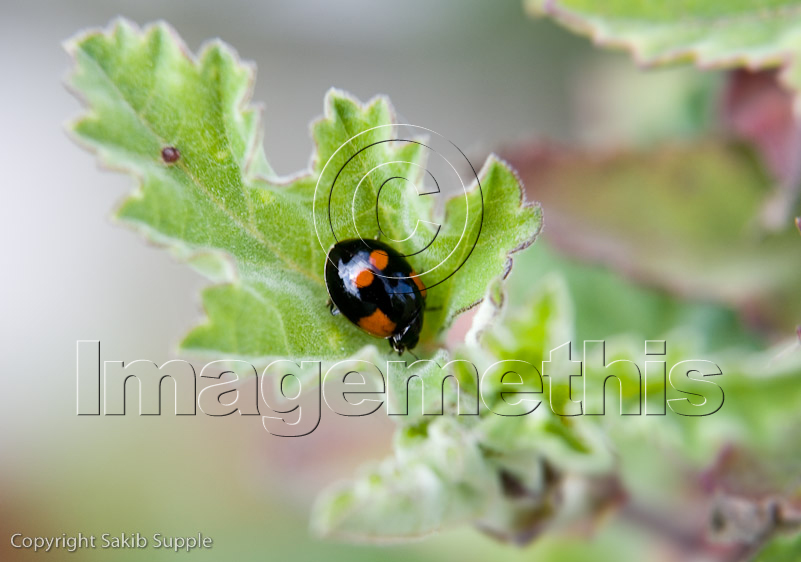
410 352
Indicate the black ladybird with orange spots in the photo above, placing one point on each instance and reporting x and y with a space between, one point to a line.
374 287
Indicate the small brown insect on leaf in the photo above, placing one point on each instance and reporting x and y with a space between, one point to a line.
170 154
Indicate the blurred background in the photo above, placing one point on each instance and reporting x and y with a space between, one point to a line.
484 75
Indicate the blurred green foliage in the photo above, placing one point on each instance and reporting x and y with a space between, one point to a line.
649 244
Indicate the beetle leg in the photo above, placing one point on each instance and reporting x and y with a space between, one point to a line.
334 310
394 343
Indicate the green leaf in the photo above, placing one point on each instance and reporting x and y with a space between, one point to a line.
544 324
222 209
761 390
451 469
441 461
529 334
782 548
710 33
437 477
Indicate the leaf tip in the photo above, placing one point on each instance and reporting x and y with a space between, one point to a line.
339 102
494 164
72 43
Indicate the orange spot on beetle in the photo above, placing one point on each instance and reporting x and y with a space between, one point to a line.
378 324
379 259
364 278
416 279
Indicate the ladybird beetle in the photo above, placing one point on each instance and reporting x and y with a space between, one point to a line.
374 287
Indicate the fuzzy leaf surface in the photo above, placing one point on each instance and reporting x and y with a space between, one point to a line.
222 209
